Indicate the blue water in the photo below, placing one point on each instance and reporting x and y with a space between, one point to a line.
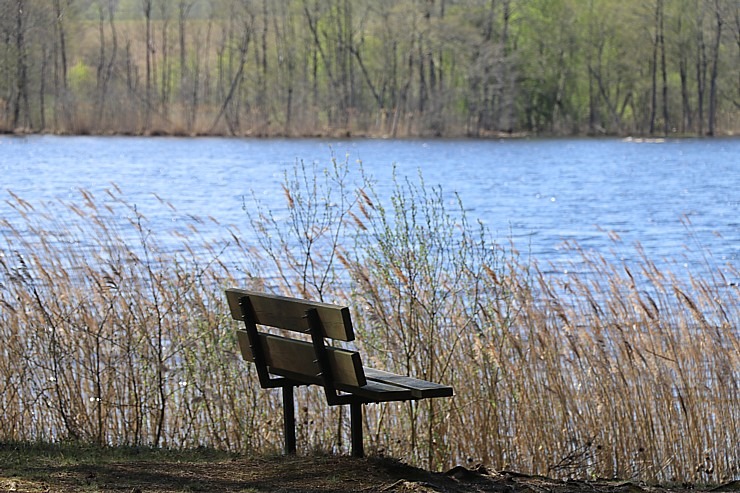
680 199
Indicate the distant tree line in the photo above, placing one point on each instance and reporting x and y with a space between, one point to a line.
370 67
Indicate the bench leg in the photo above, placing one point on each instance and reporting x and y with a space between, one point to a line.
355 410
289 420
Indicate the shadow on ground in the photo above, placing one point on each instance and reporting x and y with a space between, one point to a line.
24 471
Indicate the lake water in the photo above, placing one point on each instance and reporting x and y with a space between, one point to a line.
540 193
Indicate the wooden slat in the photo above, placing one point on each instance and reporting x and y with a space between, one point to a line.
298 358
289 313
371 392
420 389
380 392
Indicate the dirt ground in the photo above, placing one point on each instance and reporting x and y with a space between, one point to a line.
290 475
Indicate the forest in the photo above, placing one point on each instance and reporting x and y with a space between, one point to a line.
380 68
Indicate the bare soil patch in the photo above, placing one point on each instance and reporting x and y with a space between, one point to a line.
31 469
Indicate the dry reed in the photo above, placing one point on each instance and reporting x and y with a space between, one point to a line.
111 337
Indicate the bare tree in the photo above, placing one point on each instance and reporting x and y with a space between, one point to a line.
21 80
701 64
106 9
165 85
664 75
60 57
719 21
184 8
146 6
246 28
682 52
654 70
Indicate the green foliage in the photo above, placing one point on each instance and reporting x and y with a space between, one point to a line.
81 78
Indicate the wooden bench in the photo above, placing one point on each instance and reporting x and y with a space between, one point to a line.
287 362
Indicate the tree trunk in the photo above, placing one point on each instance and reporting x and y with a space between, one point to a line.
505 121
236 80
666 121
165 69
590 70
701 66
312 19
183 10
265 30
21 81
62 41
60 63
42 86
683 65
715 63
99 70
147 6
422 78
349 60
686 122
654 71
107 72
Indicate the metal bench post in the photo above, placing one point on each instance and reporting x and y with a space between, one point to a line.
355 411
263 373
332 396
289 420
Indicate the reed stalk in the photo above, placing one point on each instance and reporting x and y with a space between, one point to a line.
614 370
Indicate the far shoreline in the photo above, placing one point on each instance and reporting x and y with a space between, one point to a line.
349 135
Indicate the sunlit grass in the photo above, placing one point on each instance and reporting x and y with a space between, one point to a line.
111 338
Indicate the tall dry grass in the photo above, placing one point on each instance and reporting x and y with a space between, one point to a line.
111 336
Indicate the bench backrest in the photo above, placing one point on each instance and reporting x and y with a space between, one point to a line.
290 313
293 358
